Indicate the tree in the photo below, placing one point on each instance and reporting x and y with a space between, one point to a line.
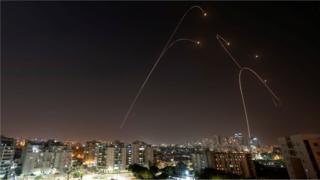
154 170
168 171
180 169
140 172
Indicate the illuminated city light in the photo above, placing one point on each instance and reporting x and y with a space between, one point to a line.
77 94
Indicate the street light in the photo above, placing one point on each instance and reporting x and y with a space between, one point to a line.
167 46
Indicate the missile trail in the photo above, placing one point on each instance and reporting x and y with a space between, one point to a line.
148 77
223 42
275 99
169 44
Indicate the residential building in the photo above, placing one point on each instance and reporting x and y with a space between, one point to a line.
229 162
100 155
7 150
199 161
142 154
116 157
45 158
301 154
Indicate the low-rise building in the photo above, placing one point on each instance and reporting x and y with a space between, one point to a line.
234 163
45 158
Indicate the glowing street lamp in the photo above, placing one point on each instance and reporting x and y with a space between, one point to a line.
167 46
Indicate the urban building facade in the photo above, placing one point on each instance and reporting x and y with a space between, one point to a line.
228 162
235 163
116 157
199 161
7 150
45 158
142 154
301 154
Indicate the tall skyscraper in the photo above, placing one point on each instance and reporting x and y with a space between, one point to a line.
239 138
301 155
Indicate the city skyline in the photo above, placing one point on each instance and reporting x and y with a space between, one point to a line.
71 69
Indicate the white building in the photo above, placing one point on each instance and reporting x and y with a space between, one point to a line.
32 159
110 152
41 158
116 157
302 155
7 149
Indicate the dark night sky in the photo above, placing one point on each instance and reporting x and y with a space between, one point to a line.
70 70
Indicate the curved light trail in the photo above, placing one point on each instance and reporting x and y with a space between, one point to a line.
223 42
169 44
274 97
149 75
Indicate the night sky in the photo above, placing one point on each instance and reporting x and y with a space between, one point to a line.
71 69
